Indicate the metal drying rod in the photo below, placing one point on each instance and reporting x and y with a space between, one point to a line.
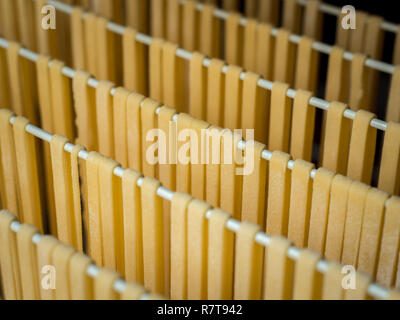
266 84
374 290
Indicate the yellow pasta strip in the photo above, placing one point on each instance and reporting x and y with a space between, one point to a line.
89 26
354 218
373 45
132 222
77 39
95 245
291 16
179 246
158 23
61 163
254 187
46 122
183 177
357 35
231 182
337 139
105 45
174 17
4 85
265 50
233 98
11 281
220 257
156 69
80 283
153 256
136 15
85 109
303 123
111 215
285 52
28 179
389 170
306 66
396 51
373 222
320 210
358 82
278 194
213 168
197 87
280 118
20 76
233 39
28 262
209 32
190 26
167 171
337 79
248 263
103 285
45 250
250 8
45 101
312 22
60 257
250 45
393 109
388 255
120 125
230 5
134 62
134 131
337 217
133 292
307 281
394 295
9 164
197 165
269 11
332 287
105 126
278 274
362 148
148 118
61 97
197 249
361 290
76 194
215 96
9 19
300 203
254 107
172 77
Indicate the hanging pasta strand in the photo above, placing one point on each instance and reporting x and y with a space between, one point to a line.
9 258
28 175
220 257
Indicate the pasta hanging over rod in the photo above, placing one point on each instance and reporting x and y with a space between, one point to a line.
197 152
